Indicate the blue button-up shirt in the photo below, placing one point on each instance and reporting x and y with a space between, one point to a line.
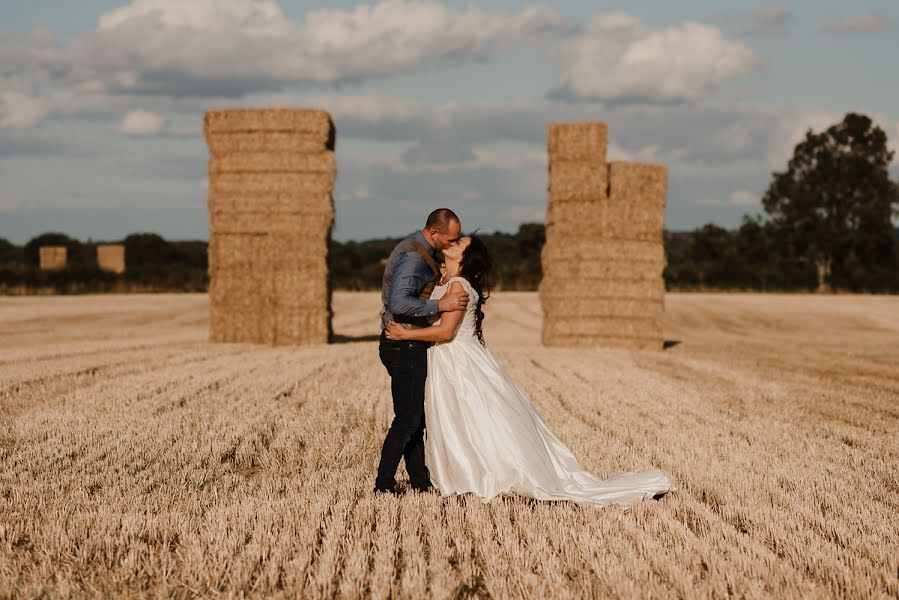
405 275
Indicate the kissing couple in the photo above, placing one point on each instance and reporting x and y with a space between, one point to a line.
484 436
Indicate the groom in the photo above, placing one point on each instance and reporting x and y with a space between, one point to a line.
410 275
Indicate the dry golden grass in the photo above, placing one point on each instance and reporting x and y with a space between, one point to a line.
136 458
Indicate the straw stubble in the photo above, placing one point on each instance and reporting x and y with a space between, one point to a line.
138 460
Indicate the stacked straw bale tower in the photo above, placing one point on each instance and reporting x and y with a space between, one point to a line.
271 179
111 258
53 258
603 258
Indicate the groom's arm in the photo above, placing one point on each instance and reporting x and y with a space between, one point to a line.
410 274
449 322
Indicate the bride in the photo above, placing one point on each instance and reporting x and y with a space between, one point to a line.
483 435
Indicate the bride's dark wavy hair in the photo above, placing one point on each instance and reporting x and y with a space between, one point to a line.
476 267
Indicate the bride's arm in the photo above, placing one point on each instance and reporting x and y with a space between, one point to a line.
449 321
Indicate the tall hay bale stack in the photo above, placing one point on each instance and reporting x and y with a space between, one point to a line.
111 258
271 210
603 258
53 258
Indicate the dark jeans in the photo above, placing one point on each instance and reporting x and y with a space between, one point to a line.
407 364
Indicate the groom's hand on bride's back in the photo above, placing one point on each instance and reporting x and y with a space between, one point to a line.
452 301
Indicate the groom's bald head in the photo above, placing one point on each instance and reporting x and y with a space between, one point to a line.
441 219
442 229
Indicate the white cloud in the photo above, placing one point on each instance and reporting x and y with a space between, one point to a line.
235 46
715 134
216 15
216 52
653 153
743 198
469 160
366 108
20 111
866 23
142 123
616 57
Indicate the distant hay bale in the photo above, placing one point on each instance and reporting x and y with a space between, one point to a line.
271 222
267 183
111 258
571 181
53 258
600 288
622 269
271 210
241 306
282 203
637 200
274 142
603 257
310 123
575 217
238 251
298 286
274 162
577 142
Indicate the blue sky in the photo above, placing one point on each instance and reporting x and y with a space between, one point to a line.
436 103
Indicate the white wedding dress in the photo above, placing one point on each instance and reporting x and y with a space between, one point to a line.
484 436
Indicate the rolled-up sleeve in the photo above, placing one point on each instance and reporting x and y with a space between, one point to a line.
410 274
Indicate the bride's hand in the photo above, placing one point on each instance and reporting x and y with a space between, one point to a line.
395 331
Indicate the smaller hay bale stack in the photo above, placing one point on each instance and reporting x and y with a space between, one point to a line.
271 180
111 258
603 258
53 258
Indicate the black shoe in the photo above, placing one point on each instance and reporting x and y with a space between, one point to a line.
385 491
424 489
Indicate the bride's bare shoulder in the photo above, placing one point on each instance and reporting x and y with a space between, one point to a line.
456 285
462 284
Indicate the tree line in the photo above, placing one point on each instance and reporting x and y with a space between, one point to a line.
153 264
827 225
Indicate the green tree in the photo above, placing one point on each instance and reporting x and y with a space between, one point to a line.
33 246
147 249
8 250
834 204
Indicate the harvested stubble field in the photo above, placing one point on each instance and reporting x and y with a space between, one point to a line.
136 458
